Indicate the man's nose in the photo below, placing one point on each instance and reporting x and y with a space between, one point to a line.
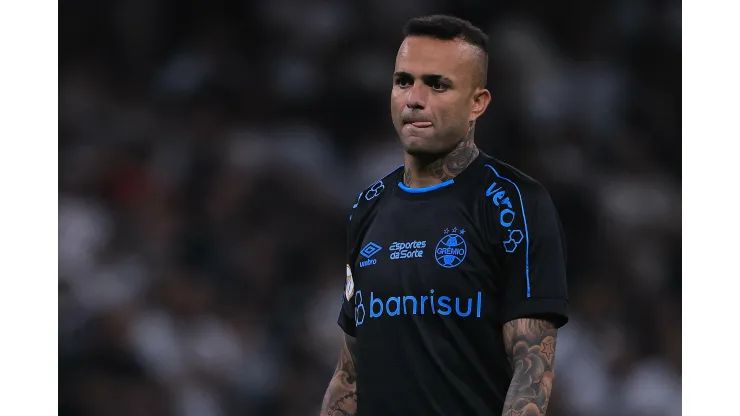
417 97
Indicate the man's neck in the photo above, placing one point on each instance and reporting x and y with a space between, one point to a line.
418 173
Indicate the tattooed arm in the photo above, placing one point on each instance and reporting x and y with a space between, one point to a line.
341 395
530 345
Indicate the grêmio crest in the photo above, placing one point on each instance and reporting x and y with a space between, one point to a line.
451 248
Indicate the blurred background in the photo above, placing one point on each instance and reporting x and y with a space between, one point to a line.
210 152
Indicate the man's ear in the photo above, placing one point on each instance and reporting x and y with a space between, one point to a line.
481 99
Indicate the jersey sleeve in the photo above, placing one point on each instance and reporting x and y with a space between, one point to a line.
347 311
534 260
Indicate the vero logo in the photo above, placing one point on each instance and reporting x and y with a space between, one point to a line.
369 251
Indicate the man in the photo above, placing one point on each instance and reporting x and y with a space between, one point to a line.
455 280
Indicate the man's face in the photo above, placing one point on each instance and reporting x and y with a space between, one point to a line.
435 95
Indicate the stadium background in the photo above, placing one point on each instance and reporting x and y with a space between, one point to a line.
210 152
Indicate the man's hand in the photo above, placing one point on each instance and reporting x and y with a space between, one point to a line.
341 395
530 345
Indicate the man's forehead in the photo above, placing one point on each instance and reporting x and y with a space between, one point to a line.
423 55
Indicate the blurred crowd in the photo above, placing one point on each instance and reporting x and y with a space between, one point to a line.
210 152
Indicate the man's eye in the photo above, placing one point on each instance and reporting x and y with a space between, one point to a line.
402 82
438 86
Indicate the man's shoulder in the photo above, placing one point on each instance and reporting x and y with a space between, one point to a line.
503 176
371 195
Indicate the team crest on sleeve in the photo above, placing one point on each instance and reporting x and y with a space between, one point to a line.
374 190
451 249
515 238
349 285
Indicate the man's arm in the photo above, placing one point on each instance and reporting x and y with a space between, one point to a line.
530 345
341 395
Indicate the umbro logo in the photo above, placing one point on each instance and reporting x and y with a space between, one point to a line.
368 251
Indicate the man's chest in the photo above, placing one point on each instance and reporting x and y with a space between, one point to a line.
407 251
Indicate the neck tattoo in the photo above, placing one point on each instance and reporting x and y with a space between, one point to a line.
450 165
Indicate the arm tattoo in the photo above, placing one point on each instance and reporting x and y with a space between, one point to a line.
341 395
530 345
452 163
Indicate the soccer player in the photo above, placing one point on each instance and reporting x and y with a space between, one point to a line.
455 283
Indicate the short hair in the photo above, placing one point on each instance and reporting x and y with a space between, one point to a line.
446 27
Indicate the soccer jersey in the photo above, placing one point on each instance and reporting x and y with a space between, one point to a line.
432 276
